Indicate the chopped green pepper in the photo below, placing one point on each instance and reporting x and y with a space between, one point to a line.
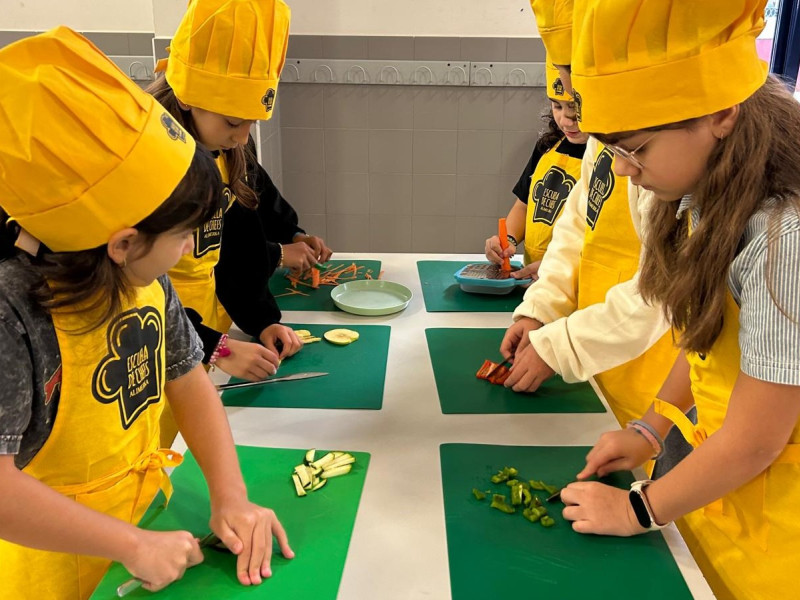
499 502
536 485
526 495
512 482
547 521
536 501
531 514
516 495
479 495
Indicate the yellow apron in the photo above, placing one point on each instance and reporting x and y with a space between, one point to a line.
610 256
746 543
193 276
103 450
552 181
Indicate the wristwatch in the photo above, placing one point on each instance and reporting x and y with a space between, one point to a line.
641 507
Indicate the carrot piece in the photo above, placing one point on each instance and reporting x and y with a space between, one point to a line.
315 278
502 232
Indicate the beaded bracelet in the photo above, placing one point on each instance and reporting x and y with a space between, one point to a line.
280 262
221 350
512 240
649 433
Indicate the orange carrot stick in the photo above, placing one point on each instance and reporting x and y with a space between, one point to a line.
502 233
315 278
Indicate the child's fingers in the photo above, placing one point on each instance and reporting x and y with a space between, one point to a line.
283 541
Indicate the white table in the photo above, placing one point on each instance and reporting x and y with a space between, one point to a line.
399 546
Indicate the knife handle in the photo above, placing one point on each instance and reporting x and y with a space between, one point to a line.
127 587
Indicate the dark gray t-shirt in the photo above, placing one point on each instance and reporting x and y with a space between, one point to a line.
30 358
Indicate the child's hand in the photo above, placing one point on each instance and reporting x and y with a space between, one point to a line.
530 271
619 450
317 244
529 370
249 361
161 557
288 338
495 254
247 530
516 337
598 508
299 256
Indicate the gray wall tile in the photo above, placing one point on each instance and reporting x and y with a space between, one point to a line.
481 108
471 233
390 233
140 44
347 193
345 106
346 150
505 197
391 47
481 49
435 151
304 46
314 224
436 108
110 43
9 37
277 158
390 194
390 151
300 104
344 46
517 148
348 233
433 234
437 48
477 195
522 109
525 50
391 107
434 194
479 152
160 47
267 157
305 191
303 149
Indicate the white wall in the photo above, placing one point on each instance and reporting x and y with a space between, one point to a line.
458 18
81 15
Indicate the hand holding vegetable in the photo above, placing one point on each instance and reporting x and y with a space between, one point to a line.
290 341
158 558
598 508
516 337
247 530
495 254
249 361
529 371
317 244
299 256
620 450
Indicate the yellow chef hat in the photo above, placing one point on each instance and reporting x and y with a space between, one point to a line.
83 151
640 64
554 21
555 88
227 55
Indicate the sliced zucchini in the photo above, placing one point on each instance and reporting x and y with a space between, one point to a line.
298 487
310 456
341 337
328 473
320 484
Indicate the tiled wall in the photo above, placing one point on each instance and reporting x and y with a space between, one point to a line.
406 168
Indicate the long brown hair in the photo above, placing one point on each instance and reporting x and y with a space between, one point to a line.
88 281
236 159
757 166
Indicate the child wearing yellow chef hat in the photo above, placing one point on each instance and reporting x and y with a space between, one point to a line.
715 139
102 188
220 78
548 178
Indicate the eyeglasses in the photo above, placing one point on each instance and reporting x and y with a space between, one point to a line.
630 156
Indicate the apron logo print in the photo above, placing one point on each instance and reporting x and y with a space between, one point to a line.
578 104
550 193
601 184
130 374
52 388
268 100
208 236
558 87
174 131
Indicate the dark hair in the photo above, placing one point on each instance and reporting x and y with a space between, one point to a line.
236 159
551 135
88 281
756 163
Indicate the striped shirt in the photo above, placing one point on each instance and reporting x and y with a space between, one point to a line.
769 340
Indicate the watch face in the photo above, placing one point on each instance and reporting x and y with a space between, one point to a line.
639 509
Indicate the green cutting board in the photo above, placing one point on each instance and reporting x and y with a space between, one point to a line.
457 354
443 294
319 527
319 299
495 555
356 379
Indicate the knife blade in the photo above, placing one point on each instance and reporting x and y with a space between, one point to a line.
295 377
